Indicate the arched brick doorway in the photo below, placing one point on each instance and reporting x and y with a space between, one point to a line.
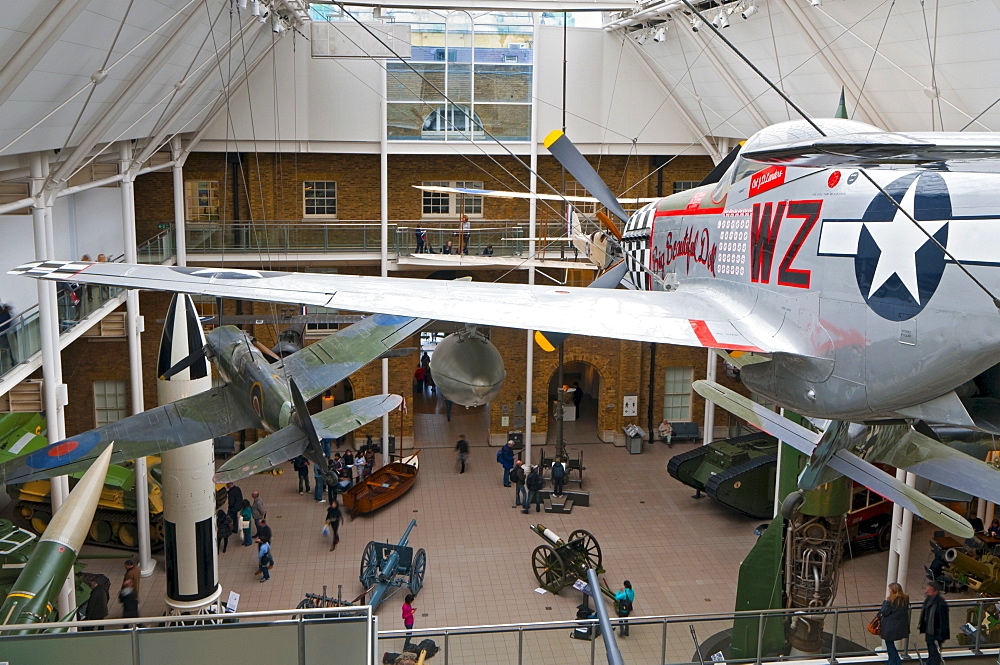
584 428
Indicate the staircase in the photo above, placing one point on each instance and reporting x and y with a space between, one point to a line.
564 504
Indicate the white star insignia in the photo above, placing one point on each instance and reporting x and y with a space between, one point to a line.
899 241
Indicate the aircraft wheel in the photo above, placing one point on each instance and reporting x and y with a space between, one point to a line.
884 537
128 535
417 572
40 520
100 531
550 571
790 506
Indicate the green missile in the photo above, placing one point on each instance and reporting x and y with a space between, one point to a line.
31 598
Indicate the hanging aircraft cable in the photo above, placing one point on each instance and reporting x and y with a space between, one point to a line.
875 51
615 207
896 204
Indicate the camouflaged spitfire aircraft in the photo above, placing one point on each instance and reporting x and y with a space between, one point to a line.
851 273
255 394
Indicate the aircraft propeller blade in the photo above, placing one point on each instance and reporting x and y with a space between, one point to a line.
715 175
570 157
266 351
609 280
184 363
609 225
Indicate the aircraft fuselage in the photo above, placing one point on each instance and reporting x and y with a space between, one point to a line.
879 318
241 364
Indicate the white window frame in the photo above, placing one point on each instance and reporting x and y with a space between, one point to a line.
314 183
573 188
677 393
684 185
193 210
473 205
111 402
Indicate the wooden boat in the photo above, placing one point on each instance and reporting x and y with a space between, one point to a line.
385 485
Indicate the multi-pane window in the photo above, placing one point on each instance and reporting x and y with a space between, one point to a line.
319 198
684 185
465 81
573 188
202 199
110 401
677 393
445 204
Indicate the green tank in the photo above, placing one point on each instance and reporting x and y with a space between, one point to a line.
115 522
16 547
738 473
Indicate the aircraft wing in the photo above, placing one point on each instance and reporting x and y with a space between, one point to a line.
332 359
501 194
873 148
291 441
844 461
197 418
692 318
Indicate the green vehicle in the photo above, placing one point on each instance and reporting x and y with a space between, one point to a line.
738 472
115 523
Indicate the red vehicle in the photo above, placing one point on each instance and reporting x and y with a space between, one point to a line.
869 521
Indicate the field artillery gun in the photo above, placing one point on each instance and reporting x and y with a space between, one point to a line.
385 566
559 563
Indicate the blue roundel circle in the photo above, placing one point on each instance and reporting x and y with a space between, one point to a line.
893 299
63 452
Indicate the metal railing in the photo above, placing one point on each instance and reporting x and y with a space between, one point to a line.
653 639
21 338
677 639
504 236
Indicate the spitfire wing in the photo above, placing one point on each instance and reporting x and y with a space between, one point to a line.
291 441
501 194
332 359
691 318
874 148
197 418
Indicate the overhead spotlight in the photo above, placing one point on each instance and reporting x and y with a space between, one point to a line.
816 3
278 26
254 8
660 34
641 39
749 10
242 4
721 21
695 24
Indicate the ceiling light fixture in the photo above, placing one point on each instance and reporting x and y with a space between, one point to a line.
660 34
643 35
241 4
695 24
816 3
749 10
254 8
721 21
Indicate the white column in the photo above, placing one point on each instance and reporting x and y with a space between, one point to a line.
180 237
48 324
905 535
383 165
529 375
133 330
709 435
989 514
892 571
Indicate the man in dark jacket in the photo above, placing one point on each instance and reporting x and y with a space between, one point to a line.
517 476
534 484
301 466
97 605
934 622
463 451
235 495
505 457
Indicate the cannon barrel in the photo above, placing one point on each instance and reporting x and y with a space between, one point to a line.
547 534
389 569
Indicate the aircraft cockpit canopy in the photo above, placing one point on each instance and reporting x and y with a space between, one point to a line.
791 132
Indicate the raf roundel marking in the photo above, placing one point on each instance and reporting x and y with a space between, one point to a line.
257 398
833 180
60 449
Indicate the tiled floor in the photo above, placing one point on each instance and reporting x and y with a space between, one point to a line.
681 554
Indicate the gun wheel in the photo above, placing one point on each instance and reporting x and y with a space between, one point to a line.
590 548
550 571
369 565
417 572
